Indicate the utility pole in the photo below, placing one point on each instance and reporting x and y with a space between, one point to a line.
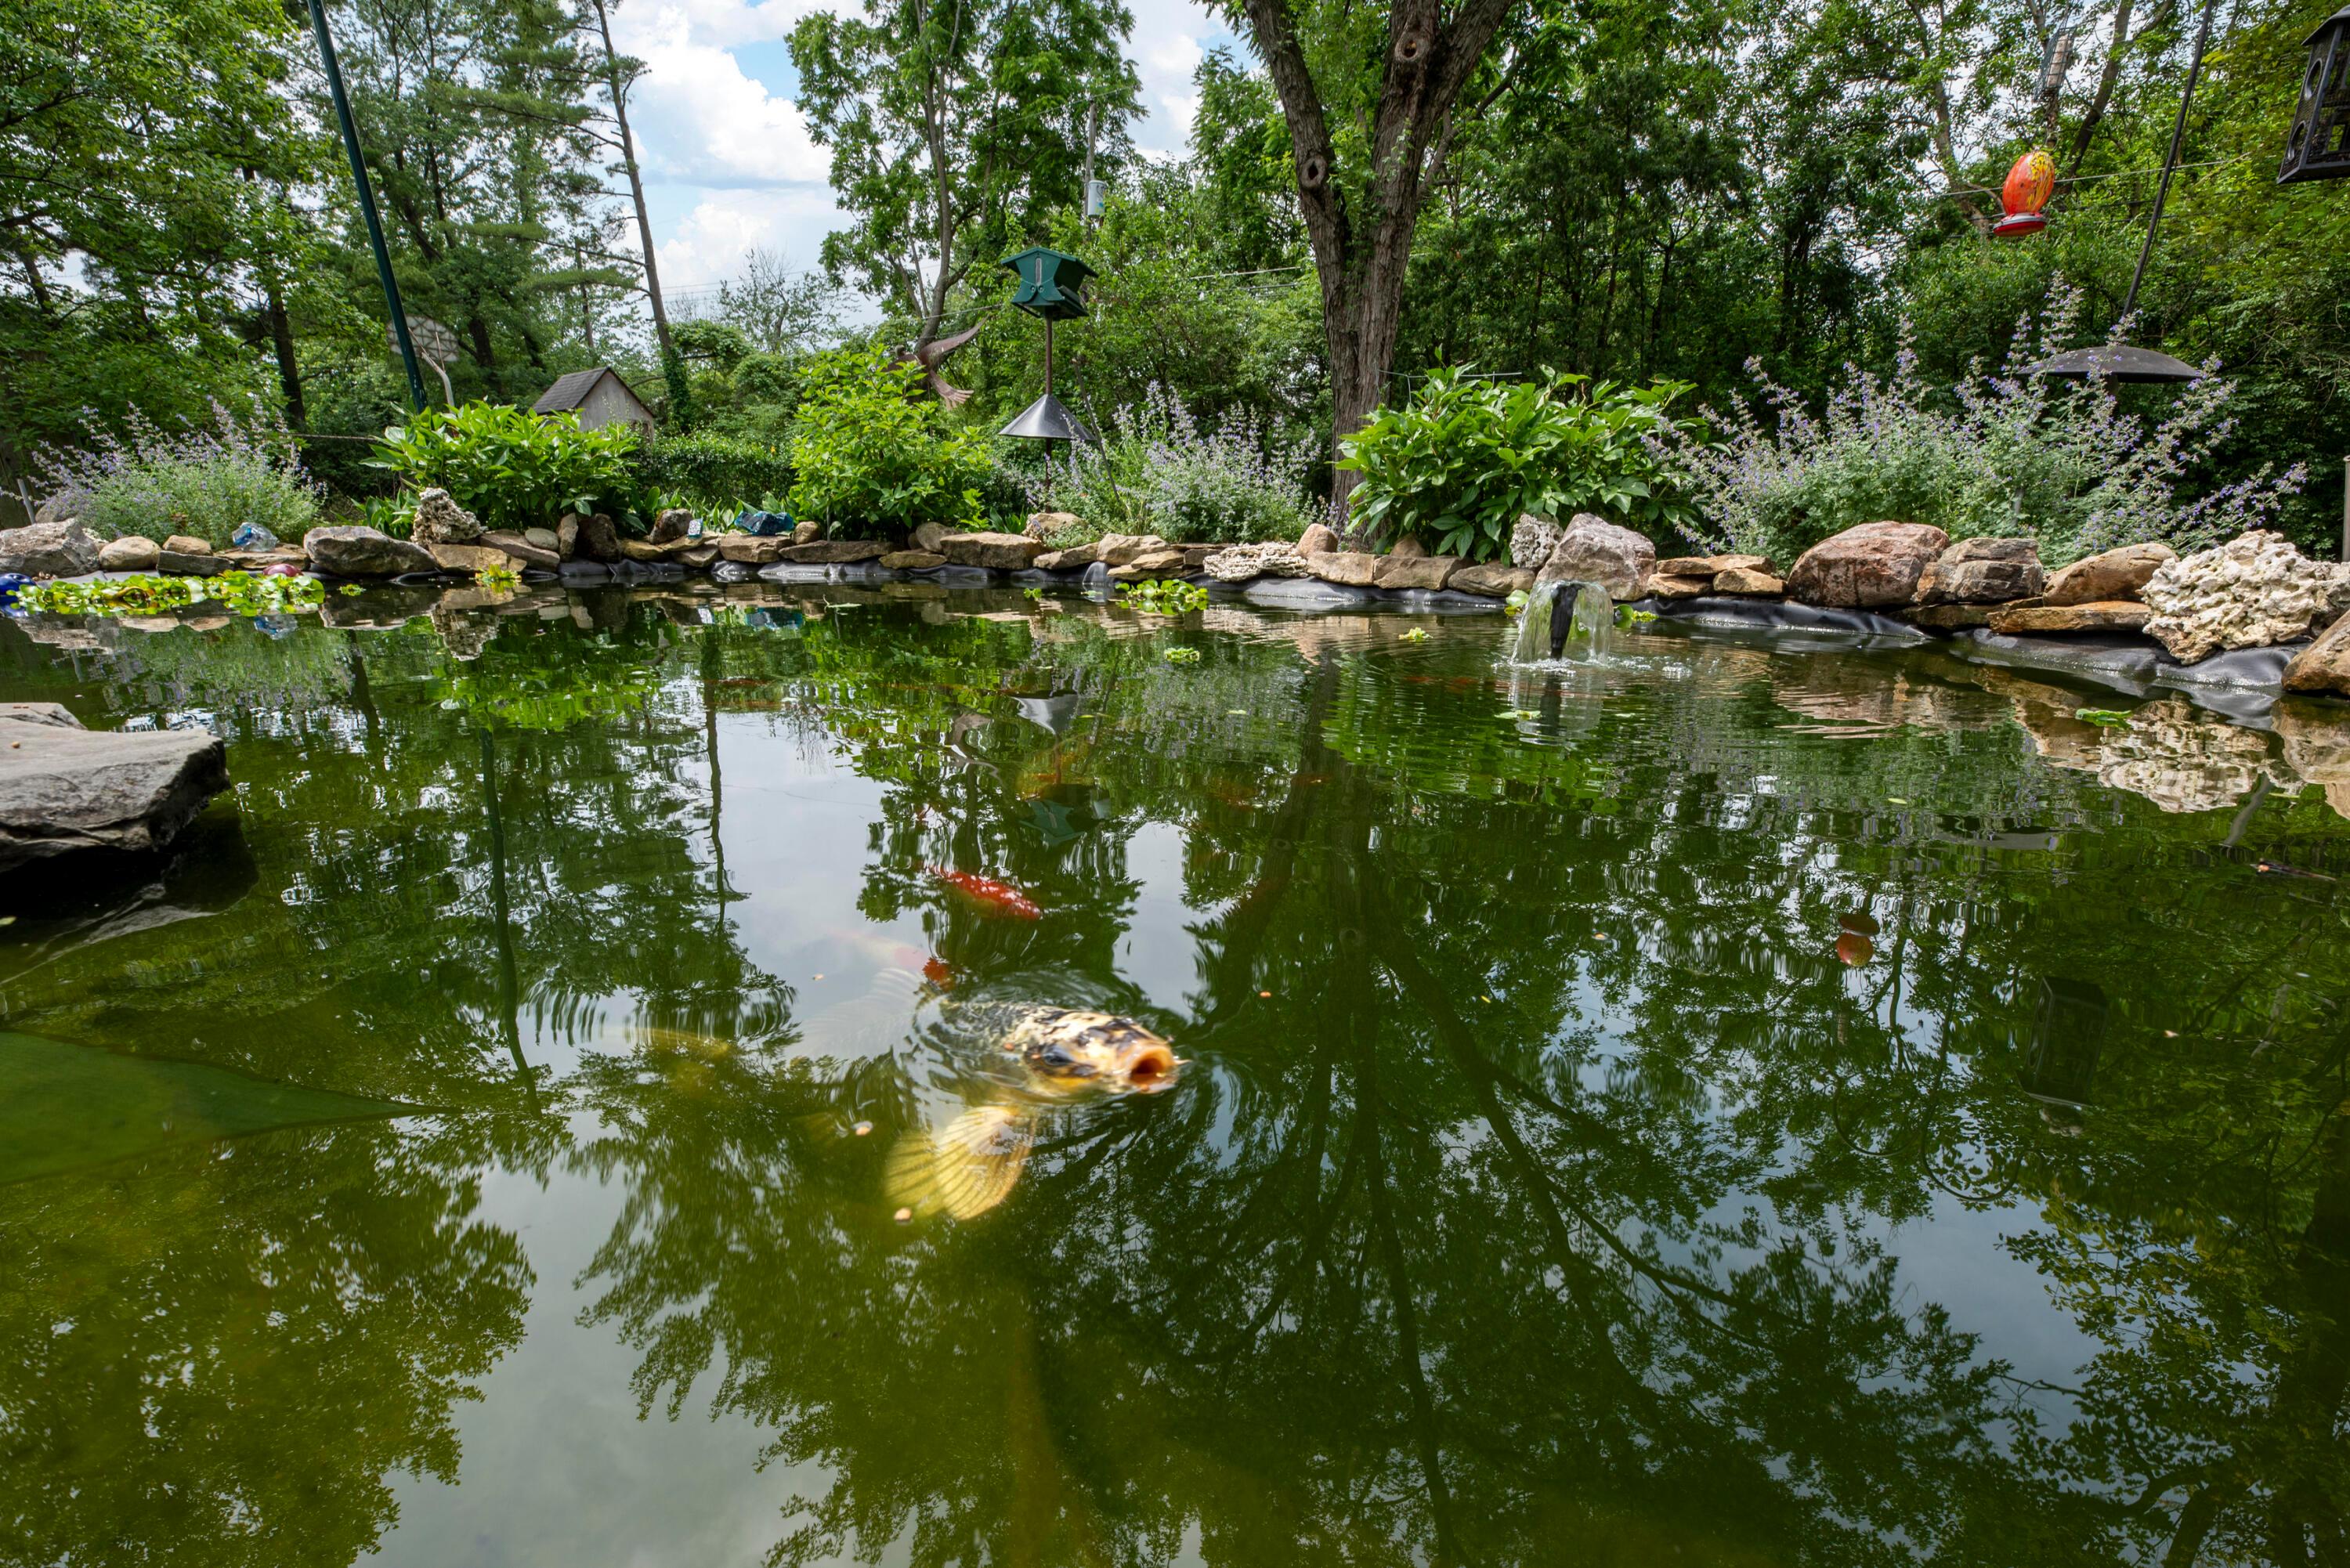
367 203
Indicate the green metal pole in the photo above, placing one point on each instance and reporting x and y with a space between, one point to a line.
367 202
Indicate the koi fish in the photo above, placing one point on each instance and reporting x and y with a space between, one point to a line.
1060 1054
994 897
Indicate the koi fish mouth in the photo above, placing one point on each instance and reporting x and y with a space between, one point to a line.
1150 1069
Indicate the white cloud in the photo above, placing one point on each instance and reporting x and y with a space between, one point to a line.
700 120
707 245
736 160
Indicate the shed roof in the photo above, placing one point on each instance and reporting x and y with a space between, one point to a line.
571 391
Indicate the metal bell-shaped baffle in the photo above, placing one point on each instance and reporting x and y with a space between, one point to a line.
2117 362
1048 419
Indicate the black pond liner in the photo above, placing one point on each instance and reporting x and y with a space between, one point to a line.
1783 614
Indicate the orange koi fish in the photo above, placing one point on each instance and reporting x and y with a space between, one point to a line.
995 897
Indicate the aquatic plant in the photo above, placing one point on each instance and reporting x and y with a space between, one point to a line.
1165 595
1997 454
204 481
498 579
1158 470
1463 459
1182 656
245 592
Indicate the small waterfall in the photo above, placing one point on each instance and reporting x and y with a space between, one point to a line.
1560 614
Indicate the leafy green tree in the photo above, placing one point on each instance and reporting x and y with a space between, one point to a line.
474 118
144 152
955 131
1369 95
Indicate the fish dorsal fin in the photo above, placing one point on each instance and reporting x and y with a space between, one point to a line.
964 1168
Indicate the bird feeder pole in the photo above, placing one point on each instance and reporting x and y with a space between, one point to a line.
2171 162
367 202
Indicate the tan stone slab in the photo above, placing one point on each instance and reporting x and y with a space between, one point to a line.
1747 581
833 552
1493 579
912 560
1430 572
1349 569
470 559
1709 566
1676 587
2108 615
753 549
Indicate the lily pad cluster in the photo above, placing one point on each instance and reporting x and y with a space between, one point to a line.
243 593
1170 596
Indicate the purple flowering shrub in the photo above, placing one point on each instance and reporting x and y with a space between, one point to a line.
1156 469
203 481
2004 454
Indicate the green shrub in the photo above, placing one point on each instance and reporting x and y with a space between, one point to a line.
512 469
203 482
717 475
1458 463
872 450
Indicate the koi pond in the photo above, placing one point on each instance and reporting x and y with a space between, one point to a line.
1710 1101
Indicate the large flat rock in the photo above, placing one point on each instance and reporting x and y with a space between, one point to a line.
64 788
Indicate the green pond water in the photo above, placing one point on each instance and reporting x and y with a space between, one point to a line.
1715 1104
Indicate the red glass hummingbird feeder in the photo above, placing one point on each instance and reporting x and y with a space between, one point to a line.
2028 185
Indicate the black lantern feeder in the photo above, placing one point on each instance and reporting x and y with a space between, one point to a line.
1052 287
2319 145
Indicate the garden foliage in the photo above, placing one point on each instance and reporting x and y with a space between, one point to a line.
871 449
717 475
202 481
1156 469
511 468
1463 459
2008 454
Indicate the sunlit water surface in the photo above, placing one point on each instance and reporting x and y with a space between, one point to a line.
1711 1105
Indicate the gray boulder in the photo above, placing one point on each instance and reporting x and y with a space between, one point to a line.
1594 550
64 788
130 553
1866 566
61 549
348 550
1983 572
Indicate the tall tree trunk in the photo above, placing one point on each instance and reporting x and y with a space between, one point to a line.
281 343
1361 258
636 181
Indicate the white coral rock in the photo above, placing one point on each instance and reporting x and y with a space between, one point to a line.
2254 591
1241 563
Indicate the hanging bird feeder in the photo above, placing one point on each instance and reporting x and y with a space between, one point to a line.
2318 147
2028 185
1052 288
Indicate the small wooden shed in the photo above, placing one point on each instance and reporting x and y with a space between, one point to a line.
598 397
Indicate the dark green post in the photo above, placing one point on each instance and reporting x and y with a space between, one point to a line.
367 200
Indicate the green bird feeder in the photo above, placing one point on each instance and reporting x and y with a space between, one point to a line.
1052 287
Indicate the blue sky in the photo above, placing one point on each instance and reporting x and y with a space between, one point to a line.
728 161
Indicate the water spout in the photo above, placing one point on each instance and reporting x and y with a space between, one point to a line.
1558 614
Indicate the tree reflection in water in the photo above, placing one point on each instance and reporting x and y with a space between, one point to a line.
1547 1182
